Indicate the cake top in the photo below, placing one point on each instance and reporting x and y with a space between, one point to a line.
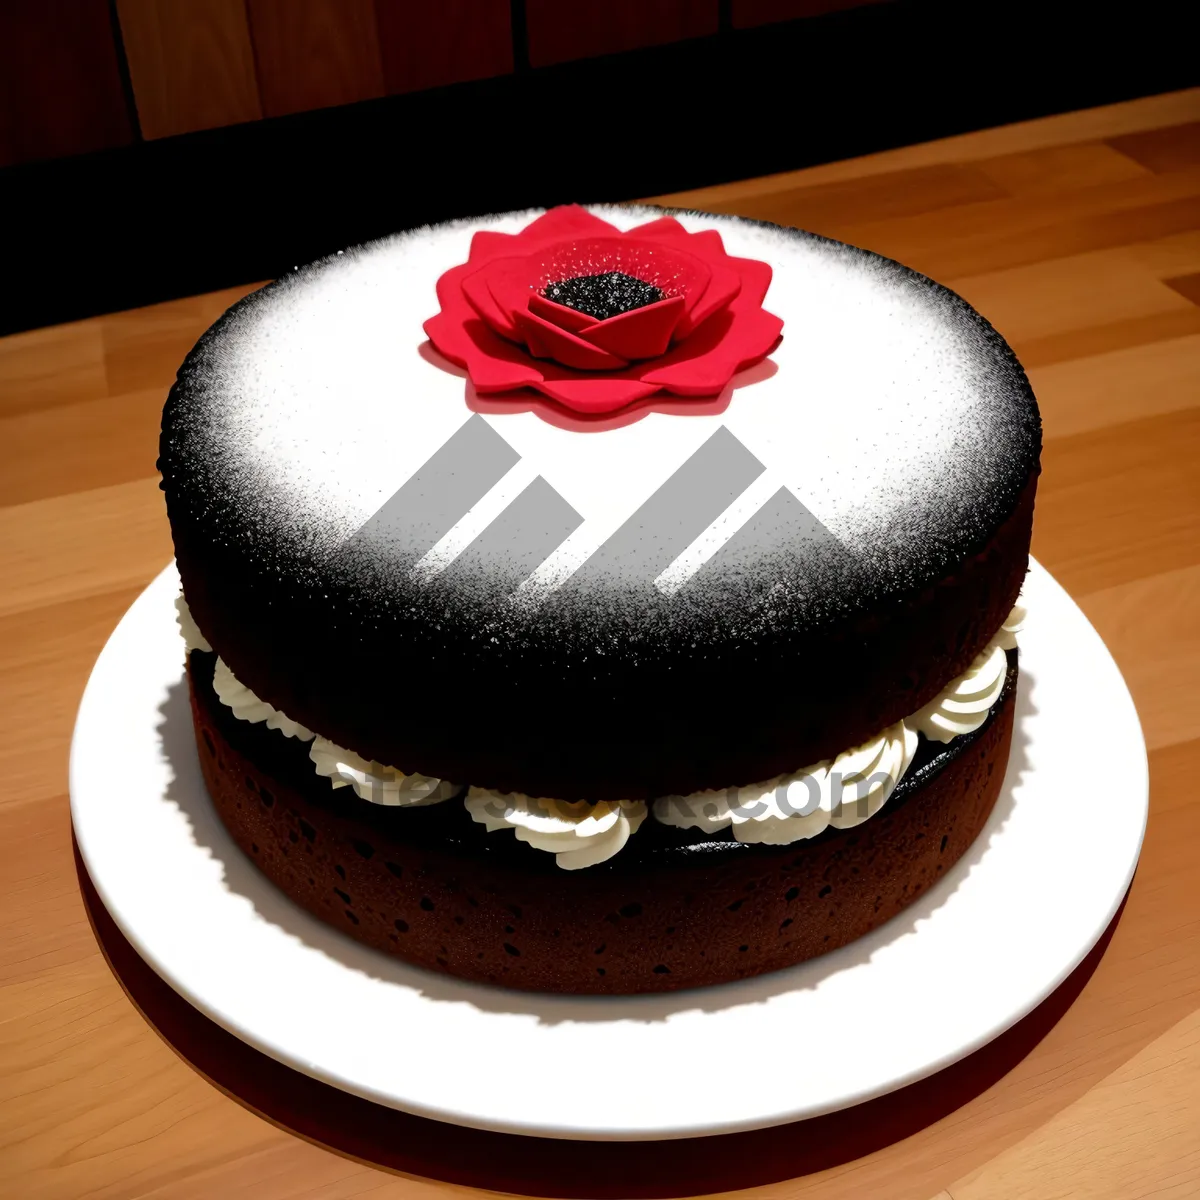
340 488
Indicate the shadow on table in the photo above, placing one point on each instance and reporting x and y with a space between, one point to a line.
542 1167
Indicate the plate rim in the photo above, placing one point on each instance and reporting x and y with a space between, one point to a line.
1133 788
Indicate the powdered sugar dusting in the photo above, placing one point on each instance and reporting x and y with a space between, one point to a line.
886 415
474 596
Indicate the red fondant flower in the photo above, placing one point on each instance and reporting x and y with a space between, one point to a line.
597 319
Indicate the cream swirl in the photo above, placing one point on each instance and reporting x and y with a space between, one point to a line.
374 782
193 639
578 833
371 781
775 811
843 792
1006 637
863 778
246 706
963 705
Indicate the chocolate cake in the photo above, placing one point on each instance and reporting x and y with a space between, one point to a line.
605 641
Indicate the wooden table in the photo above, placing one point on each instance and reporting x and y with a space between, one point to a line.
1079 237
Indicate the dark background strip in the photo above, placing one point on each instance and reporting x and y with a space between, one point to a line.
152 220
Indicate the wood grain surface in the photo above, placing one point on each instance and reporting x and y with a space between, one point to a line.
1079 237
423 46
314 53
60 84
191 64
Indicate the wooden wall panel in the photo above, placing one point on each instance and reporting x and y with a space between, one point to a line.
190 62
747 13
315 53
585 28
60 88
427 45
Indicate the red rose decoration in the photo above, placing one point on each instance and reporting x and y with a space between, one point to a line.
596 318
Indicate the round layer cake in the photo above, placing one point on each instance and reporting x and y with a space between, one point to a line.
606 640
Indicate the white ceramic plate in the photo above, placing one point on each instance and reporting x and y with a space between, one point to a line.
983 948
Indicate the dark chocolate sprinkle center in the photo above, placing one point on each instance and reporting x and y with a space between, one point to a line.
603 296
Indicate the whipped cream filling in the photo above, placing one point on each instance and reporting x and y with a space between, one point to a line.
841 792
578 833
1012 625
374 782
371 781
246 706
964 705
193 639
848 790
